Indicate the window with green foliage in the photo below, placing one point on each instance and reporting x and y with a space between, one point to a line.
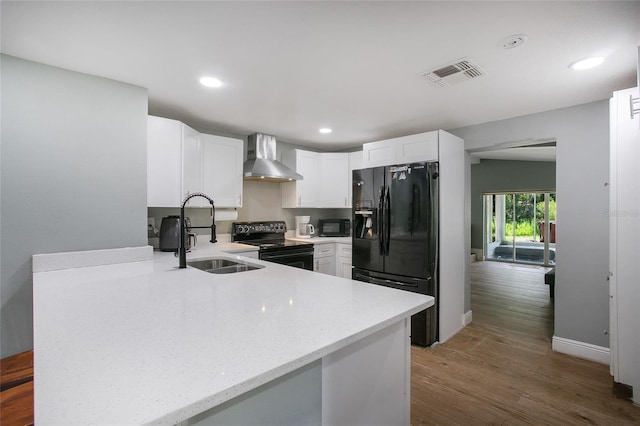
515 226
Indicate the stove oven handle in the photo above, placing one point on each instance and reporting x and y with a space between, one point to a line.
289 254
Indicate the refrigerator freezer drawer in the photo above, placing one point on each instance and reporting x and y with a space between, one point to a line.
424 325
415 285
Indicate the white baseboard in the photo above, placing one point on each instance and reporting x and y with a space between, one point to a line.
581 350
467 318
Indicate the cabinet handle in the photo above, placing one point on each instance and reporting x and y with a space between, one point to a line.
345 201
300 200
240 199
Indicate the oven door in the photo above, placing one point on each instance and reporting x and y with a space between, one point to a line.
300 258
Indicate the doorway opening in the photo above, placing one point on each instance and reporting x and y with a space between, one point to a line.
520 227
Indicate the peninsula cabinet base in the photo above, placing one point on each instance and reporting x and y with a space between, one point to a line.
364 383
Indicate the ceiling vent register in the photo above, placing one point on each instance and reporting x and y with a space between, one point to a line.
461 70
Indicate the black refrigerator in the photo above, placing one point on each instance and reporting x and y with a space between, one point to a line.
395 235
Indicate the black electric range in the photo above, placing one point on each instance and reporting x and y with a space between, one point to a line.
269 236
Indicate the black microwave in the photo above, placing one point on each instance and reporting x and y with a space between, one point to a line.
334 228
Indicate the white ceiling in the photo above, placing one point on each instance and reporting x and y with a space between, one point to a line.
290 68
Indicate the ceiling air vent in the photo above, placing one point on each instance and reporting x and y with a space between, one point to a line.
461 70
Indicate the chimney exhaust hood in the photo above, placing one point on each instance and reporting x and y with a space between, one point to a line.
261 161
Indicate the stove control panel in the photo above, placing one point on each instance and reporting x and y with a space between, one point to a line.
250 228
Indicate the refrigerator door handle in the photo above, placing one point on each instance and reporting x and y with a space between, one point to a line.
387 224
387 283
380 224
435 230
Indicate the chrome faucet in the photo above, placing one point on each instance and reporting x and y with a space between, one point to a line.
182 250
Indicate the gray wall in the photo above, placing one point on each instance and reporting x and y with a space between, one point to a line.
582 168
499 175
73 176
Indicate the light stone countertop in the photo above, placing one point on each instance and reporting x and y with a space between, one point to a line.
323 240
146 342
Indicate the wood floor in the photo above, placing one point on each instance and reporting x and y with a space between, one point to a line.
500 369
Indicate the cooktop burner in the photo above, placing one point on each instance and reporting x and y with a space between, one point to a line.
266 235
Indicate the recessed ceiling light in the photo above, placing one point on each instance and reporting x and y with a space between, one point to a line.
210 82
325 130
585 64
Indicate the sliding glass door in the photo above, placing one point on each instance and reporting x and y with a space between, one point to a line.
516 226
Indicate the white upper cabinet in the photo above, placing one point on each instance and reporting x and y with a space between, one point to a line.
333 184
301 193
164 162
222 170
326 182
191 166
181 161
406 149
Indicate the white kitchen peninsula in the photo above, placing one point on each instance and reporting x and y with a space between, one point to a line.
143 342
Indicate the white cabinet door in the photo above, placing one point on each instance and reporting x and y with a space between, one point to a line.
325 265
222 170
301 193
333 182
406 149
343 267
343 260
182 161
191 166
355 163
382 153
164 162
422 147
324 258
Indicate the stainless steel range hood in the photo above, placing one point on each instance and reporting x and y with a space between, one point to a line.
261 161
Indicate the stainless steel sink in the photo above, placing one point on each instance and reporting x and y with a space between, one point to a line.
223 266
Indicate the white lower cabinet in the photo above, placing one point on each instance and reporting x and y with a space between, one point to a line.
332 259
343 260
324 258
